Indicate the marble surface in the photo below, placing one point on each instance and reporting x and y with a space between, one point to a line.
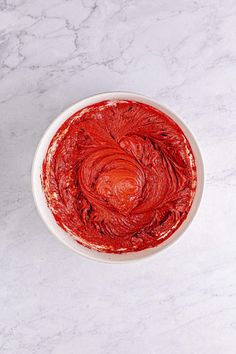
183 54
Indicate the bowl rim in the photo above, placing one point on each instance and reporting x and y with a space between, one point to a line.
46 214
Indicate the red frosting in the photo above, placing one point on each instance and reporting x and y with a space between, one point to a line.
119 176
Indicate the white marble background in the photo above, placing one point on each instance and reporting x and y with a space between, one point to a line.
55 52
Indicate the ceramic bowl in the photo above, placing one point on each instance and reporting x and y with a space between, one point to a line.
40 199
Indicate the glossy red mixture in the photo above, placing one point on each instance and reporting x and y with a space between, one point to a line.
119 176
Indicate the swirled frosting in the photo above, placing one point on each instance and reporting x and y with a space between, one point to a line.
119 176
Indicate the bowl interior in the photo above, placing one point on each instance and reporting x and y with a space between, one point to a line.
41 202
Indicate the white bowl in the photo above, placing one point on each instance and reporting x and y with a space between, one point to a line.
41 202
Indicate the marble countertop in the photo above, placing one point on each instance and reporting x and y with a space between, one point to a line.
183 54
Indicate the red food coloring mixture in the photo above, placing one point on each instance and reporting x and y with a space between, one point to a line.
120 176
